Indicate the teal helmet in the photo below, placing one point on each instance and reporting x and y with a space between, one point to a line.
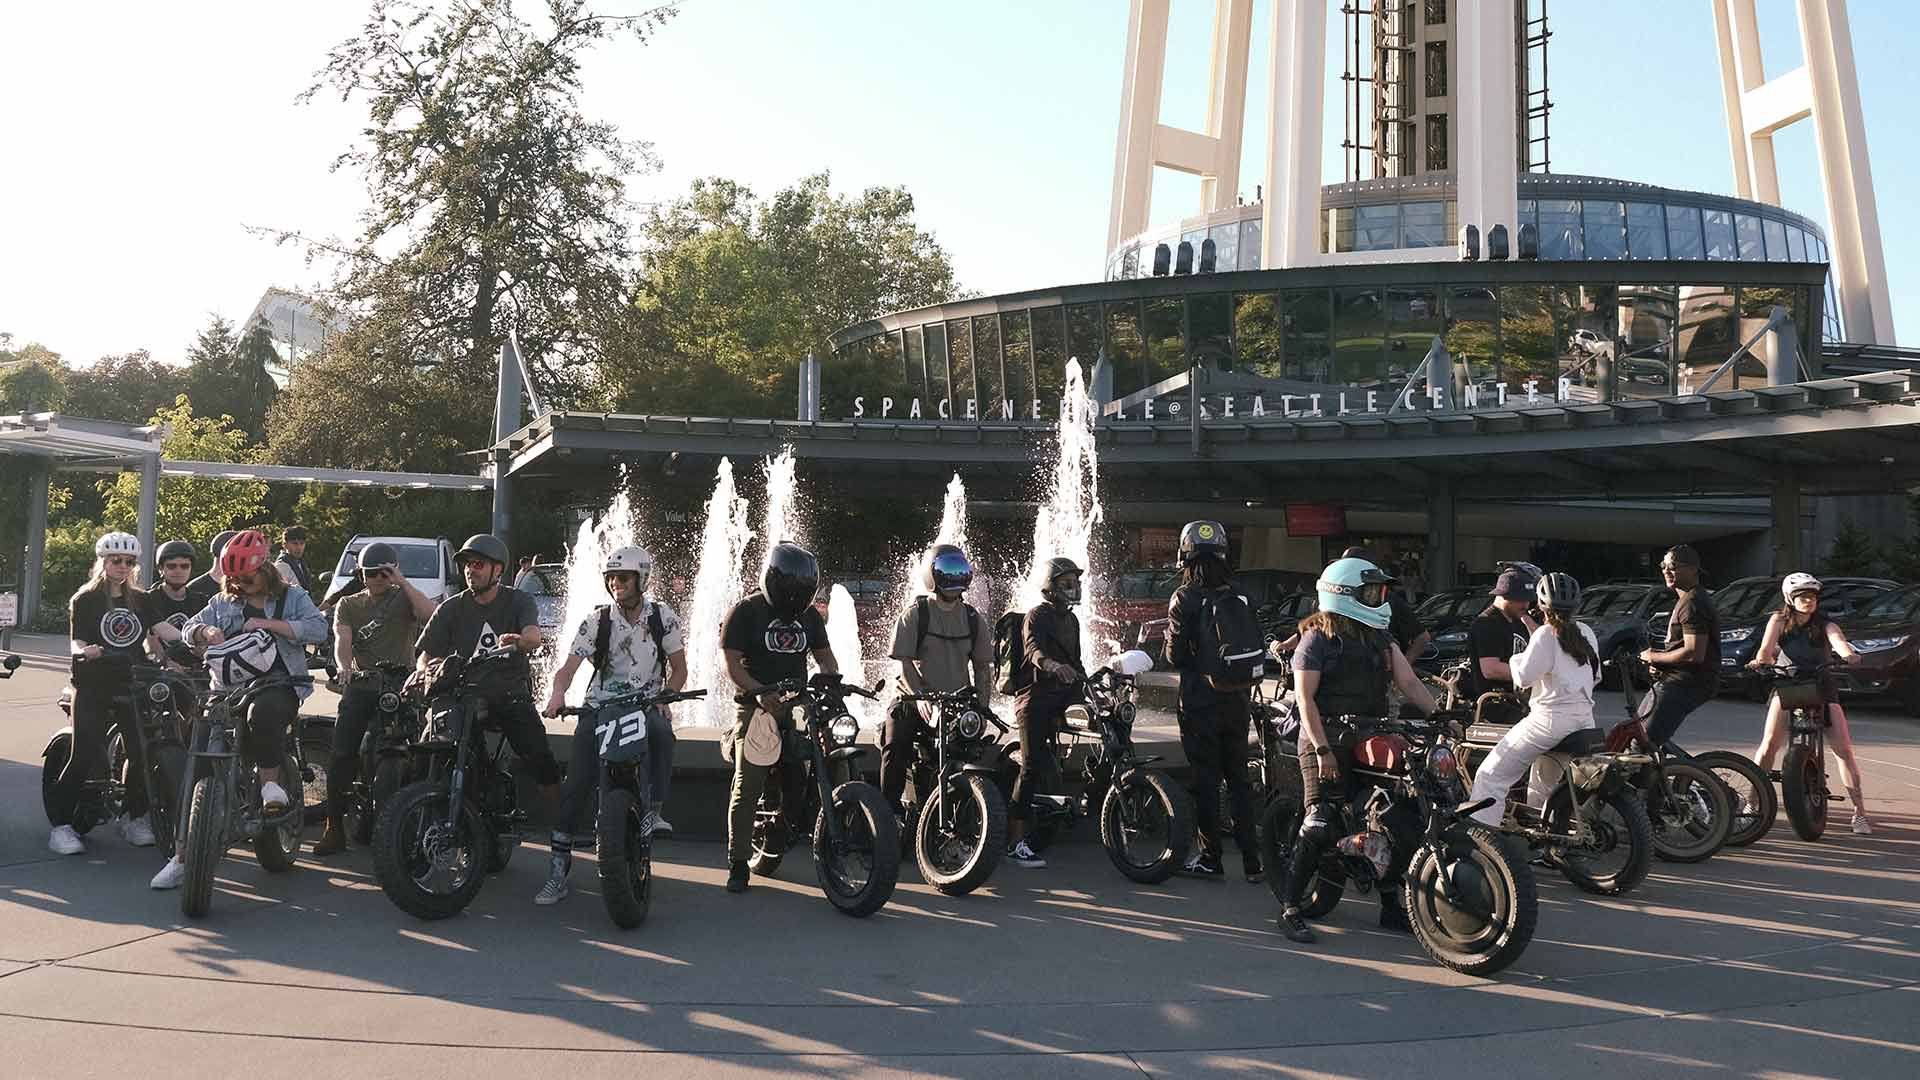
1357 589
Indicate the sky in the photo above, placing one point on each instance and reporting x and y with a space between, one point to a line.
142 140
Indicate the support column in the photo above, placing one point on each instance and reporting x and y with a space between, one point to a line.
1441 522
1488 129
1227 101
1783 357
33 570
1139 115
149 505
1297 87
1787 554
506 421
1840 133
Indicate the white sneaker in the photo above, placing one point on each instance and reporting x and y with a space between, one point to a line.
1021 854
64 841
1861 826
661 826
170 875
554 891
273 797
138 831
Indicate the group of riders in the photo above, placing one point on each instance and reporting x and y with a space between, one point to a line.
1344 660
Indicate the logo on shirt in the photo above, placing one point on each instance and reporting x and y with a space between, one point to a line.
786 638
120 628
178 620
489 640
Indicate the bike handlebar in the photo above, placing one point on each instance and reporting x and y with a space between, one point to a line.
641 700
824 685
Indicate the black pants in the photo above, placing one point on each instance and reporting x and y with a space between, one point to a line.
1320 826
263 738
93 713
903 725
1673 701
1038 715
1214 738
357 709
520 723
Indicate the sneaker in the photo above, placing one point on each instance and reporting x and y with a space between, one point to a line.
554 891
170 875
1295 927
737 875
332 841
1203 865
661 826
650 823
273 798
1021 854
138 831
1861 826
64 841
1255 872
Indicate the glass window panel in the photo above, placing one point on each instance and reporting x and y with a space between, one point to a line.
1050 356
915 345
1776 235
1413 320
1529 338
1376 228
1210 326
937 385
1424 224
1436 12
1226 246
1473 337
1704 334
1360 330
1256 335
1017 339
1796 243
1306 316
1606 228
886 376
1646 231
1752 247
1342 227
986 364
1125 351
1560 236
1644 365
1084 340
960 364
1437 142
1528 211
1436 52
1756 304
1683 233
1166 339
1586 332
1130 262
1719 230
1250 243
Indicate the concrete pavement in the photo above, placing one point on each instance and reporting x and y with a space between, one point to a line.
1786 958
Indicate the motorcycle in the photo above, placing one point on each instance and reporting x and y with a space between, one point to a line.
155 699
856 848
386 751
1690 809
1803 776
225 806
1146 820
1472 903
625 848
955 813
437 838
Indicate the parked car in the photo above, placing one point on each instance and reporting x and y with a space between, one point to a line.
1617 614
548 587
1886 633
426 563
1743 620
1446 615
1280 598
1138 597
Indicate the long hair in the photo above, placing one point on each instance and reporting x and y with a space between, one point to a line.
97 581
276 585
1333 625
1208 573
1789 618
1572 641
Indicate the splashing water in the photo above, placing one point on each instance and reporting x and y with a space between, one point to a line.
783 504
953 514
586 588
843 636
716 588
1071 513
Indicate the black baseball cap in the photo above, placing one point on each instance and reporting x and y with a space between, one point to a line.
1681 555
1515 584
1359 551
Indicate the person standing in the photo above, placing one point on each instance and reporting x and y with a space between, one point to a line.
1497 633
1050 659
293 558
207 585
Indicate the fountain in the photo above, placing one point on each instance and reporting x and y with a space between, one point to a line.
843 636
783 508
1071 513
585 586
717 586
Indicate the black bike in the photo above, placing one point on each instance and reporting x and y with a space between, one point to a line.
155 699
1146 820
385 751
1690 808
625 847
856 848
1803 776
438 837
957 814
226 806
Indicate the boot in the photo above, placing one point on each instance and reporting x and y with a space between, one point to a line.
737 875
333 841
1393 916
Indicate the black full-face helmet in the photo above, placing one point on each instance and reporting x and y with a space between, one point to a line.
790 580
1061 583
948 573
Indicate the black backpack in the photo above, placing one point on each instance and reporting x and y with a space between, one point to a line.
1010 665
1233 645
604 638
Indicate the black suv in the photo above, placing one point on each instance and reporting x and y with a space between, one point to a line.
1617 613
1746 605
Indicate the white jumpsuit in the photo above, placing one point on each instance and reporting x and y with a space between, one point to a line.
1560 704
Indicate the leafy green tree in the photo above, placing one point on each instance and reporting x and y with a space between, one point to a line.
192 508
1854 552
32 378
227 375
129 388
349 408
736 291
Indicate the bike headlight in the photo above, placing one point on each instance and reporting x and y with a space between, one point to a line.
1729 637
159 693
844 730
1451 637
1879 644
969 724
389 702
1123 714
1441 763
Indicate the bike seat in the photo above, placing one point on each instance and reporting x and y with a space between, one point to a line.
1582 742
1487 734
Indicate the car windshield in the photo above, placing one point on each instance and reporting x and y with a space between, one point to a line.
1897 604
549 579
416 560
1609 602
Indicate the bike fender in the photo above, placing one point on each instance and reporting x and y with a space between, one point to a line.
54 740
983 770
847 752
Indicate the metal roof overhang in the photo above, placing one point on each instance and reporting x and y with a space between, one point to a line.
1853 435
68 440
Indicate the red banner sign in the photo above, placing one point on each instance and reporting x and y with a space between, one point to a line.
1316 519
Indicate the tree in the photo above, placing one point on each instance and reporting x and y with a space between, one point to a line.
129 389
735 292
192 508
1854 552
32 380
348 408
227 376
493 200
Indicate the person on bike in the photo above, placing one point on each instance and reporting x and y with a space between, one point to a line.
1558 667
374 627
766 639
1050 647
173 596
1807 637
292 561
1341 671
1499 631
942 645
1214 714
254 597
207 585
108 622
636 645
491 615
1686 671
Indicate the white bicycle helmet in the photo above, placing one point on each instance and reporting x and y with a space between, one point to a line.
117 543
1799 583
629 560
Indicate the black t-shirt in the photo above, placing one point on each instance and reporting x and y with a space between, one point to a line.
117 624
1405 625
206 587
177 612
775 648
466 626
1495 636
1693 610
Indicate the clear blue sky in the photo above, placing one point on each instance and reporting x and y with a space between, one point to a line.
141 138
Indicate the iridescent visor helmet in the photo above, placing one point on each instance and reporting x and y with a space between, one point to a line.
1357 589
948 571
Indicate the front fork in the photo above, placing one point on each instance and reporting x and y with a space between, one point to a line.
823 779
462 752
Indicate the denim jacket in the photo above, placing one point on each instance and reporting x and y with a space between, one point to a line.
309 627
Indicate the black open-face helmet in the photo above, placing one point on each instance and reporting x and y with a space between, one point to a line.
485 546
948 572
1202 539
790 579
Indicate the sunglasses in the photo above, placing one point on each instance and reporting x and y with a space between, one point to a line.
121 560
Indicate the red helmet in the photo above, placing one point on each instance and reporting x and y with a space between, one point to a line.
245 553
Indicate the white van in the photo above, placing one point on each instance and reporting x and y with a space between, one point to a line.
427 564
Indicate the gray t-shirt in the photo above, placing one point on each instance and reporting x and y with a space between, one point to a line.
464 625
943 659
